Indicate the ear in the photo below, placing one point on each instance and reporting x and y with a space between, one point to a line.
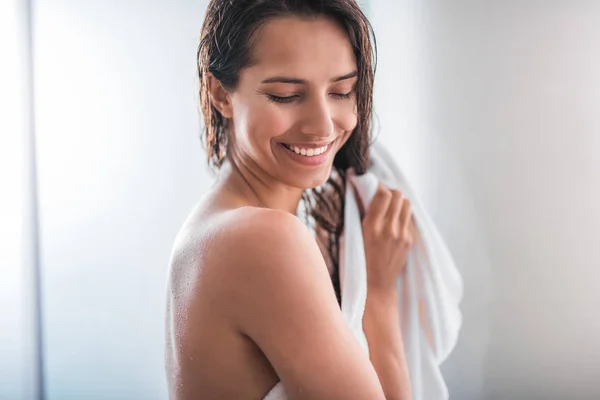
219 97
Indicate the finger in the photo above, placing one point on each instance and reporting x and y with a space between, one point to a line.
412 229
378 208
392 217
406 216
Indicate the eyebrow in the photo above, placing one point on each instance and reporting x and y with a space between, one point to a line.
297 81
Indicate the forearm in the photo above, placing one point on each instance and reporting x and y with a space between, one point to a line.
381 324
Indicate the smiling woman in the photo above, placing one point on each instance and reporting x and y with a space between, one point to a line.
286 94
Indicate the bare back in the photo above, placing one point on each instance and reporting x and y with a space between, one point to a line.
227 363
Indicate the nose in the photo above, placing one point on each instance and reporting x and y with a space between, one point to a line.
317 119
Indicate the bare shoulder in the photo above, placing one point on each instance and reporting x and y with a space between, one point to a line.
250 226
247 262
261 273
222 270
263 235
272 255
221 251
256 252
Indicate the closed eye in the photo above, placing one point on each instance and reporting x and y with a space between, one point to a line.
279 99
342 95
289 99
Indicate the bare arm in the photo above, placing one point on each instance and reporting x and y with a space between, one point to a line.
387 237
381 324
288 307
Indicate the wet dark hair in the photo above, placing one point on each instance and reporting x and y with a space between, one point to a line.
226 48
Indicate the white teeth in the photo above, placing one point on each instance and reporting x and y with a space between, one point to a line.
310 152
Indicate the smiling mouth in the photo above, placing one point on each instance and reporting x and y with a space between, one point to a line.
308 151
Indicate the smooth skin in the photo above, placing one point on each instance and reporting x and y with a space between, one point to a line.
250 300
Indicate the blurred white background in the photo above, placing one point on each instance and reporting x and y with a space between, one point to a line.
491 107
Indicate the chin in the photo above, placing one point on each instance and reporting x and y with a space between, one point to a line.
314 180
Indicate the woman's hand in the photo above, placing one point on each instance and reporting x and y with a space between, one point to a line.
388 235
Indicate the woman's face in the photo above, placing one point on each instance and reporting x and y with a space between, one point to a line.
299 97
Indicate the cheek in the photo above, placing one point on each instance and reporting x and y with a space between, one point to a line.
347 121
266 122
258 122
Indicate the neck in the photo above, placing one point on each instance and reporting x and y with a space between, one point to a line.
255 188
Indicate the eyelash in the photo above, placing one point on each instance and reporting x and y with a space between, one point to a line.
284 100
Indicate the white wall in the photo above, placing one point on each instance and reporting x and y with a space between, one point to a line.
120 165
19 350
507 95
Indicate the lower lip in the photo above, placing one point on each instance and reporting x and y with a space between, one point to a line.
306 160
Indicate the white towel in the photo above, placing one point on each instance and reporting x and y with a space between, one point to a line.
429 291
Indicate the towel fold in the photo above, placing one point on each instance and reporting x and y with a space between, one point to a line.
429 290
